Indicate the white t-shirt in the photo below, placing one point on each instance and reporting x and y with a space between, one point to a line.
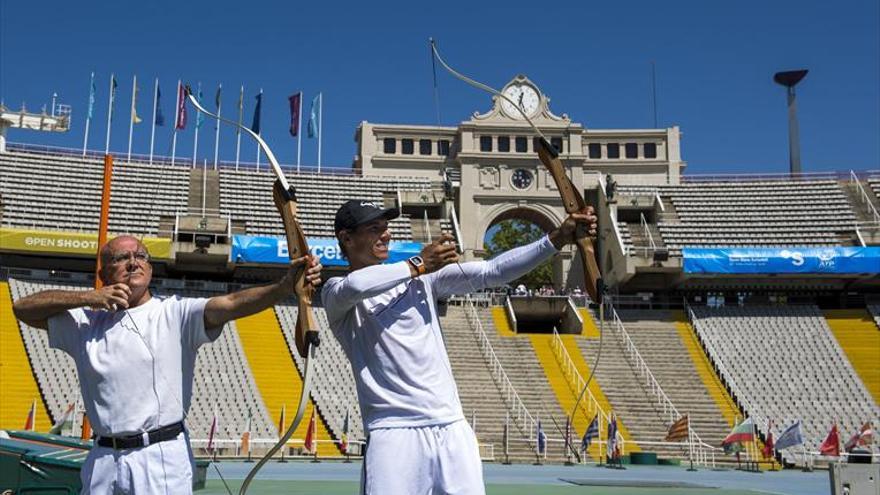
135 366
388 326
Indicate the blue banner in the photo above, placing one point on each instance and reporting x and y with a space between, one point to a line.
250 249
782 260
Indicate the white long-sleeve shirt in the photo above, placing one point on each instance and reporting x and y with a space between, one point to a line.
388 326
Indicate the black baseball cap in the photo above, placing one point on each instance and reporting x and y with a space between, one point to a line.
356 212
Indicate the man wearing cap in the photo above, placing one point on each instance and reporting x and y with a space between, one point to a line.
385 318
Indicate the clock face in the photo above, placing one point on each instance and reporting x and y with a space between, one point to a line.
521 178
524 96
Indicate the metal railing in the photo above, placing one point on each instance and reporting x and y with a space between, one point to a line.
647 230
863 196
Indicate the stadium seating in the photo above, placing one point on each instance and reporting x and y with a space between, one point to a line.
875 311
789 366
731 214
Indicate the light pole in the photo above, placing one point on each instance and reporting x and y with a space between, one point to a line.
789 79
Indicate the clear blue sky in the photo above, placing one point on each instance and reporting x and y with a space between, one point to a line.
714 63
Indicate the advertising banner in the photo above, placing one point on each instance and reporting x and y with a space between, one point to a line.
250 249
829 260
61 242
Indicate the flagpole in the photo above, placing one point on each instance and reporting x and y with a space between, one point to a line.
153 127
320 126
238 129
176 116
299 131
259 116
133 113
196 138
89 112
109 116
217 128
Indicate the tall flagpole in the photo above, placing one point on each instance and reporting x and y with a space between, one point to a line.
217 128
109 116
260 116
134 82
238 130
153 131
320 126
299 116
176 116
89 112
196 124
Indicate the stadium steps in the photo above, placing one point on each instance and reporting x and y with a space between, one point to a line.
854 195
276 375
566 392
18 387
857 334
211 190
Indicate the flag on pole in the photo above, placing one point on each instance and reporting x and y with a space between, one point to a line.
343 441
255 125
309 445
217 98
505 435
92 90
134 115
591 433
612 437
294 100
768 444
113 85
181 107
541 440
281 421
791 437
679 430
313 118
246 437
160 119
831 444
29 423
743 432
199 117
863 437
568 442
65 421
212 432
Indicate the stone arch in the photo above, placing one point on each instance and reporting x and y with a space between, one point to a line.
541 215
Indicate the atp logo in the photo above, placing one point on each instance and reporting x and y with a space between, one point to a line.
796 257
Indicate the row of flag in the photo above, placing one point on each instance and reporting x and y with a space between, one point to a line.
180 114
612 448
792 437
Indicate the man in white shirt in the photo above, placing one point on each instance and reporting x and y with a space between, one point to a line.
385 317
135 355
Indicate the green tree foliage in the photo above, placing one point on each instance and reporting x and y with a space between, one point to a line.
514 233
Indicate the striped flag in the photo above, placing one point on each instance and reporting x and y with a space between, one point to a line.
29 423
791 437
591 433
863 437
743 432
65 422
679 430
612 437
831 445
310 443
345 432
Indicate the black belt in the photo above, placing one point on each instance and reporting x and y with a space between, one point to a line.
162 434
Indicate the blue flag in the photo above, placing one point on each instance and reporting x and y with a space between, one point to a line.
591 433
160 119
255 126
313 117
92 97
113 86
199 117
791 437
542 439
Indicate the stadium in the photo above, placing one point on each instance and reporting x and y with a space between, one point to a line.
735 306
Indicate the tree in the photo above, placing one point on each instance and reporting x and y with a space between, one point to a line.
513 233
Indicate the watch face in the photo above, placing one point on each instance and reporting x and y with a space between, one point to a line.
521 178
524 96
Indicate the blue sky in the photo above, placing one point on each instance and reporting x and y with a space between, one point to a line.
714 64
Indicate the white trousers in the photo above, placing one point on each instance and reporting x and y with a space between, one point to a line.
429 460
161 468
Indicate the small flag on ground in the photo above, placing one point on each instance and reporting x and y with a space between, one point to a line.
680 430
791 437
863 437
768 444
65 422
591 433
29 423
831 444
343 441
311 435
612 437
743 432
541 440
212 432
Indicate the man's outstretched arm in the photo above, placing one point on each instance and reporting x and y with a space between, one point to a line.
36 309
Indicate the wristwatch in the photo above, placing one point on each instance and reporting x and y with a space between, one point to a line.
418 263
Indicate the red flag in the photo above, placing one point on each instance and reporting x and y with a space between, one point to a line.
831 445
181 108
311 434
862 437
295 104
31 417
768 444
86 431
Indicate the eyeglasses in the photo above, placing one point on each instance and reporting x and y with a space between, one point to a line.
139 256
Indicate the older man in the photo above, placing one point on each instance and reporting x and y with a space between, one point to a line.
135 355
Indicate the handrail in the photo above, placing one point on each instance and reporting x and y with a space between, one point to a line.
612 215
853 178
650 237
515 404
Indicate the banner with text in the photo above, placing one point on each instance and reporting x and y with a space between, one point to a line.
250 249
51 241
829 260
